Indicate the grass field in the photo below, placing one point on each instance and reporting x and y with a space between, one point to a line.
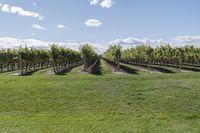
118 103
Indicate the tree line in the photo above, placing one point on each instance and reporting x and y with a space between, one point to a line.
59 58
145 55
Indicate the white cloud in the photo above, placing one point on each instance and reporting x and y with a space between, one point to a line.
38 27
60 26
102 3
93 23
175 42
94 2
132 42
187 39
106 3
100 47
5 8
20 11
6 42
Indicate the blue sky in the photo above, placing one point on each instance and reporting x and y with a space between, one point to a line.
154 19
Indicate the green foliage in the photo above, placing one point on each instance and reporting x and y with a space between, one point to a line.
64 55
141 54
63 58
88 55
163 55
28 58
33 55
8 56
113 53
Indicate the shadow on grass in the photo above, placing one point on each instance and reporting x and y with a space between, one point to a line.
189 68
63 72
30 73
128 69
190 65
153 68
161 69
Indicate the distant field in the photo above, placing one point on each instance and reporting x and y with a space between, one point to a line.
112 102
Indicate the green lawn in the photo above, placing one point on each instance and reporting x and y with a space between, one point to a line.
118 103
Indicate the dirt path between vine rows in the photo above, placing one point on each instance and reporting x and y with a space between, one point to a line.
114 69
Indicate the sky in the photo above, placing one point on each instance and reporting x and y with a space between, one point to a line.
101 21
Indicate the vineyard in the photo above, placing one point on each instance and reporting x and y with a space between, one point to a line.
28 60
60 59
139 90
144 56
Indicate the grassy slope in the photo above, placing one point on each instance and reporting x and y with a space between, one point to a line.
141 103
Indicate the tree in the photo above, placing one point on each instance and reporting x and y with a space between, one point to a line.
88 55
114 54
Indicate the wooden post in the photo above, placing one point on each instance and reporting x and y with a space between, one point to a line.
21 66
118 62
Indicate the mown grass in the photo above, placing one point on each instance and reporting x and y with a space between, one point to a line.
118 103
